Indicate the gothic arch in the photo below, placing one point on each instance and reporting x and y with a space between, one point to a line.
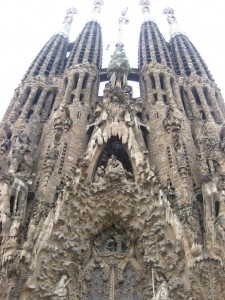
127 162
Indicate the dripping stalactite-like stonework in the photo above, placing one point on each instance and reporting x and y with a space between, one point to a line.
114 197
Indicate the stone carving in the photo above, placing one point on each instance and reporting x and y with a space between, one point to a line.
97 6
69 15
62 122
5 141
170 15
119 67
50 163
182 164
100 173
111 242
145 6
61 288
172 124
126 211
162 293
222 138
20 156
114 169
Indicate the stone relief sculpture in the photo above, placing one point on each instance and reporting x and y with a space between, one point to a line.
114 169
61 288
162 293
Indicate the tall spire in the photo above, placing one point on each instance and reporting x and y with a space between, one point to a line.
97 9
68 21
174 26
146 10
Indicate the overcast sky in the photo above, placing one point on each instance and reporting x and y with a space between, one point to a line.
26 25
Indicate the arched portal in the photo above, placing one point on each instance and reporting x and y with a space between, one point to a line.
114 162
113 271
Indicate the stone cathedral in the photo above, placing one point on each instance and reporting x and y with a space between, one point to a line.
114 197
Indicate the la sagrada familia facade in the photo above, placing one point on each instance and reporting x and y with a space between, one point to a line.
114 197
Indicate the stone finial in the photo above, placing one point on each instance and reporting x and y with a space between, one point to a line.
123 20
68 21
97 9
119 67
145 9
174 27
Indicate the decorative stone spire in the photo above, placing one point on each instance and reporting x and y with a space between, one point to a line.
174 27
122 21
97 9
146 10
68 21
119 67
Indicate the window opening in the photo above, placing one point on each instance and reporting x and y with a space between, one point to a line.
12 202
161 79
153 86
206 93
76 78
39 91
85 81
217 208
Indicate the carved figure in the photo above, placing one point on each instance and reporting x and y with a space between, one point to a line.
99 173
20 154
69 15
145 6
114 169
97 6
14 227
170 15
50 163
62 121
162 293
61 290
5 136
119 67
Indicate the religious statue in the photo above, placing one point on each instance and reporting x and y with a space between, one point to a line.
162 293
97 6
62 122
122 19
69 15
5 136
145 6
68 20
100 173
170 15
114 169
20 154
61 290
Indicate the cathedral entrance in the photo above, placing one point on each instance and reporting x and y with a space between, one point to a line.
113 271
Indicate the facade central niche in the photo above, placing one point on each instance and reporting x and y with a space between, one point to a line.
114 163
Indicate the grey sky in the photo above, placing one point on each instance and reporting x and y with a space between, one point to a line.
26 25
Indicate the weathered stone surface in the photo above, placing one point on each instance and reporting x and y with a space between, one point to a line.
113 197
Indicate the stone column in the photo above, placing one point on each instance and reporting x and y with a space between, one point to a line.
158 87
204 104
41 101
194 107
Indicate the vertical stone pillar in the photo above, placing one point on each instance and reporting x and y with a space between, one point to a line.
158 86
41 101
69 89
204 104
192 102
